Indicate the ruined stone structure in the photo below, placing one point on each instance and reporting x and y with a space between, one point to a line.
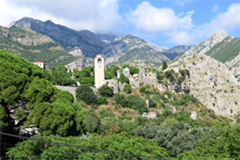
99 70
126 72
113 83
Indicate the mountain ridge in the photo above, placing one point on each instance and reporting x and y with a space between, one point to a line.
222 47
89 43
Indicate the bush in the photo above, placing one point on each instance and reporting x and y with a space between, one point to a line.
106 112
143 89
119 98
92 123
86 80
136 103
105 91
123 78
164 65
152 103
127 88
170 75
133 70
102 100
86 94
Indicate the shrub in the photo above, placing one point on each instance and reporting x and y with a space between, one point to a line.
86 94
143 89
136 103
102 100
185 73
183 116
164 65
105 91
212 114
86 80
160 77
92 123
127 88
123 78
152 103
106 112
170 75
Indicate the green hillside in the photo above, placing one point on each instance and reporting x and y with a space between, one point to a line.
105 126
28 98
225 50
50 52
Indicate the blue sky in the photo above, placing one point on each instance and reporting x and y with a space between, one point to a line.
163 22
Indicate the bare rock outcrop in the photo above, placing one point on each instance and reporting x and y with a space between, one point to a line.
211 82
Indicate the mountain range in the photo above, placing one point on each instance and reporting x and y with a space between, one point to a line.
115 49
56 44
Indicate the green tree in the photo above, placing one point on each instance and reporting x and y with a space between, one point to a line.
61 76
92 123
127 145
105 91
87 81
133 70
25 91
102 100
127 88
85 76
111 72
62 116
136 103
123 78
221 143
86 94
164 65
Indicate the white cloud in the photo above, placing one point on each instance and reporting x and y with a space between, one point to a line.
229 21
181 38
150 18
231 18
95 15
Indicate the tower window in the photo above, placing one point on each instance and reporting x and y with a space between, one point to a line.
99 61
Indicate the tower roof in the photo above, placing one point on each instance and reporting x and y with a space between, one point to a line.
99 56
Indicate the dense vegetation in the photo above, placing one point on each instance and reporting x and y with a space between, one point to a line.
27 96
85 76
101 125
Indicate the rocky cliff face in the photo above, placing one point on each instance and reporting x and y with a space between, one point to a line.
223 48
24 36
211 82
206 45
129 48
80 60
89 43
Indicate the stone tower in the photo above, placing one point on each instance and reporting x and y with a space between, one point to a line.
99 70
